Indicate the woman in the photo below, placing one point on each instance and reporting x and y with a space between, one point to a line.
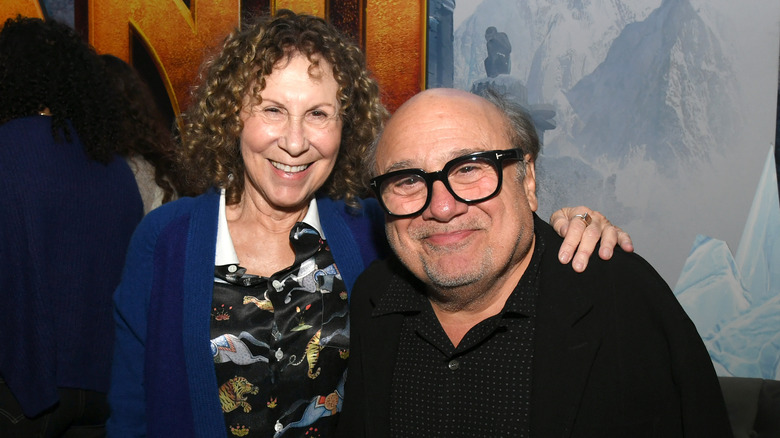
261 266
150 146
69 207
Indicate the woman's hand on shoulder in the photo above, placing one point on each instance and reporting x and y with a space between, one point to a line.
582 228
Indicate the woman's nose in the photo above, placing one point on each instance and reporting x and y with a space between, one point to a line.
293 136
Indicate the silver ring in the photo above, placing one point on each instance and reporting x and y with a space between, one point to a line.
585 217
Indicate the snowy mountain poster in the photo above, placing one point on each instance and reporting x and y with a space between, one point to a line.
661 114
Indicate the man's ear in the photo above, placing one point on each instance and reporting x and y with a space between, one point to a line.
529 183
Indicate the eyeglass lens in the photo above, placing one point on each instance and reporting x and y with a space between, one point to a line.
470 180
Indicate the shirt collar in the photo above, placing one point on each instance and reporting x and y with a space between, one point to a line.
226 252
312 218
523 299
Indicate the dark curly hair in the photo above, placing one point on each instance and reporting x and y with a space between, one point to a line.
46 64
212 124
144 132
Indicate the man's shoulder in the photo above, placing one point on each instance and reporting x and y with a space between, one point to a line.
377 278
624 271
619 261
374 278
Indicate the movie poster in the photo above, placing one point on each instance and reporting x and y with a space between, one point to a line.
661 114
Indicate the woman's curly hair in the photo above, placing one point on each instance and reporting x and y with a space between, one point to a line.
46 64
210 154
145 132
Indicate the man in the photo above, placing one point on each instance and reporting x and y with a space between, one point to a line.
476 330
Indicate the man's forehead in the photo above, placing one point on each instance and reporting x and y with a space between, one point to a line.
421 156
437 126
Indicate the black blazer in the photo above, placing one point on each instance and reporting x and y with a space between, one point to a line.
615 355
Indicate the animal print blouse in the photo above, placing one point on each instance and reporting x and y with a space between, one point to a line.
280 344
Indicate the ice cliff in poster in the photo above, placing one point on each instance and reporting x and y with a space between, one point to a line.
662 121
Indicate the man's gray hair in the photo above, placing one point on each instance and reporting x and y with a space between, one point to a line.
370 162
521 131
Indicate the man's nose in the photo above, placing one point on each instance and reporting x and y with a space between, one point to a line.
443 206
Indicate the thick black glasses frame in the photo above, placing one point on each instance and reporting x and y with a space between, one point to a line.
496 157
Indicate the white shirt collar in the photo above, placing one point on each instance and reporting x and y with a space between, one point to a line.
226 252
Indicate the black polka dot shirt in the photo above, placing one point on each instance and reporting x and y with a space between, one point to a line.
482 387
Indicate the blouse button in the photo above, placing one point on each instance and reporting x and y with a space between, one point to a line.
453 365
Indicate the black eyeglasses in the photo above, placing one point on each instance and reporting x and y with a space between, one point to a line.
470 179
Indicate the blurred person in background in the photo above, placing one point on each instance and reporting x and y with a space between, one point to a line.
69 206
149 146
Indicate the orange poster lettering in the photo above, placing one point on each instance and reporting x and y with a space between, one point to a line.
395 47
175 36
394 42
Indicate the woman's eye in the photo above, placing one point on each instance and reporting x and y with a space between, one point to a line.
274 114
319 115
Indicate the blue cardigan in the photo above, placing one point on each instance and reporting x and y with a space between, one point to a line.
163 381
65 223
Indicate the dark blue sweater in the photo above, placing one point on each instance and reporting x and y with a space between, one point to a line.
163 382
65 224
